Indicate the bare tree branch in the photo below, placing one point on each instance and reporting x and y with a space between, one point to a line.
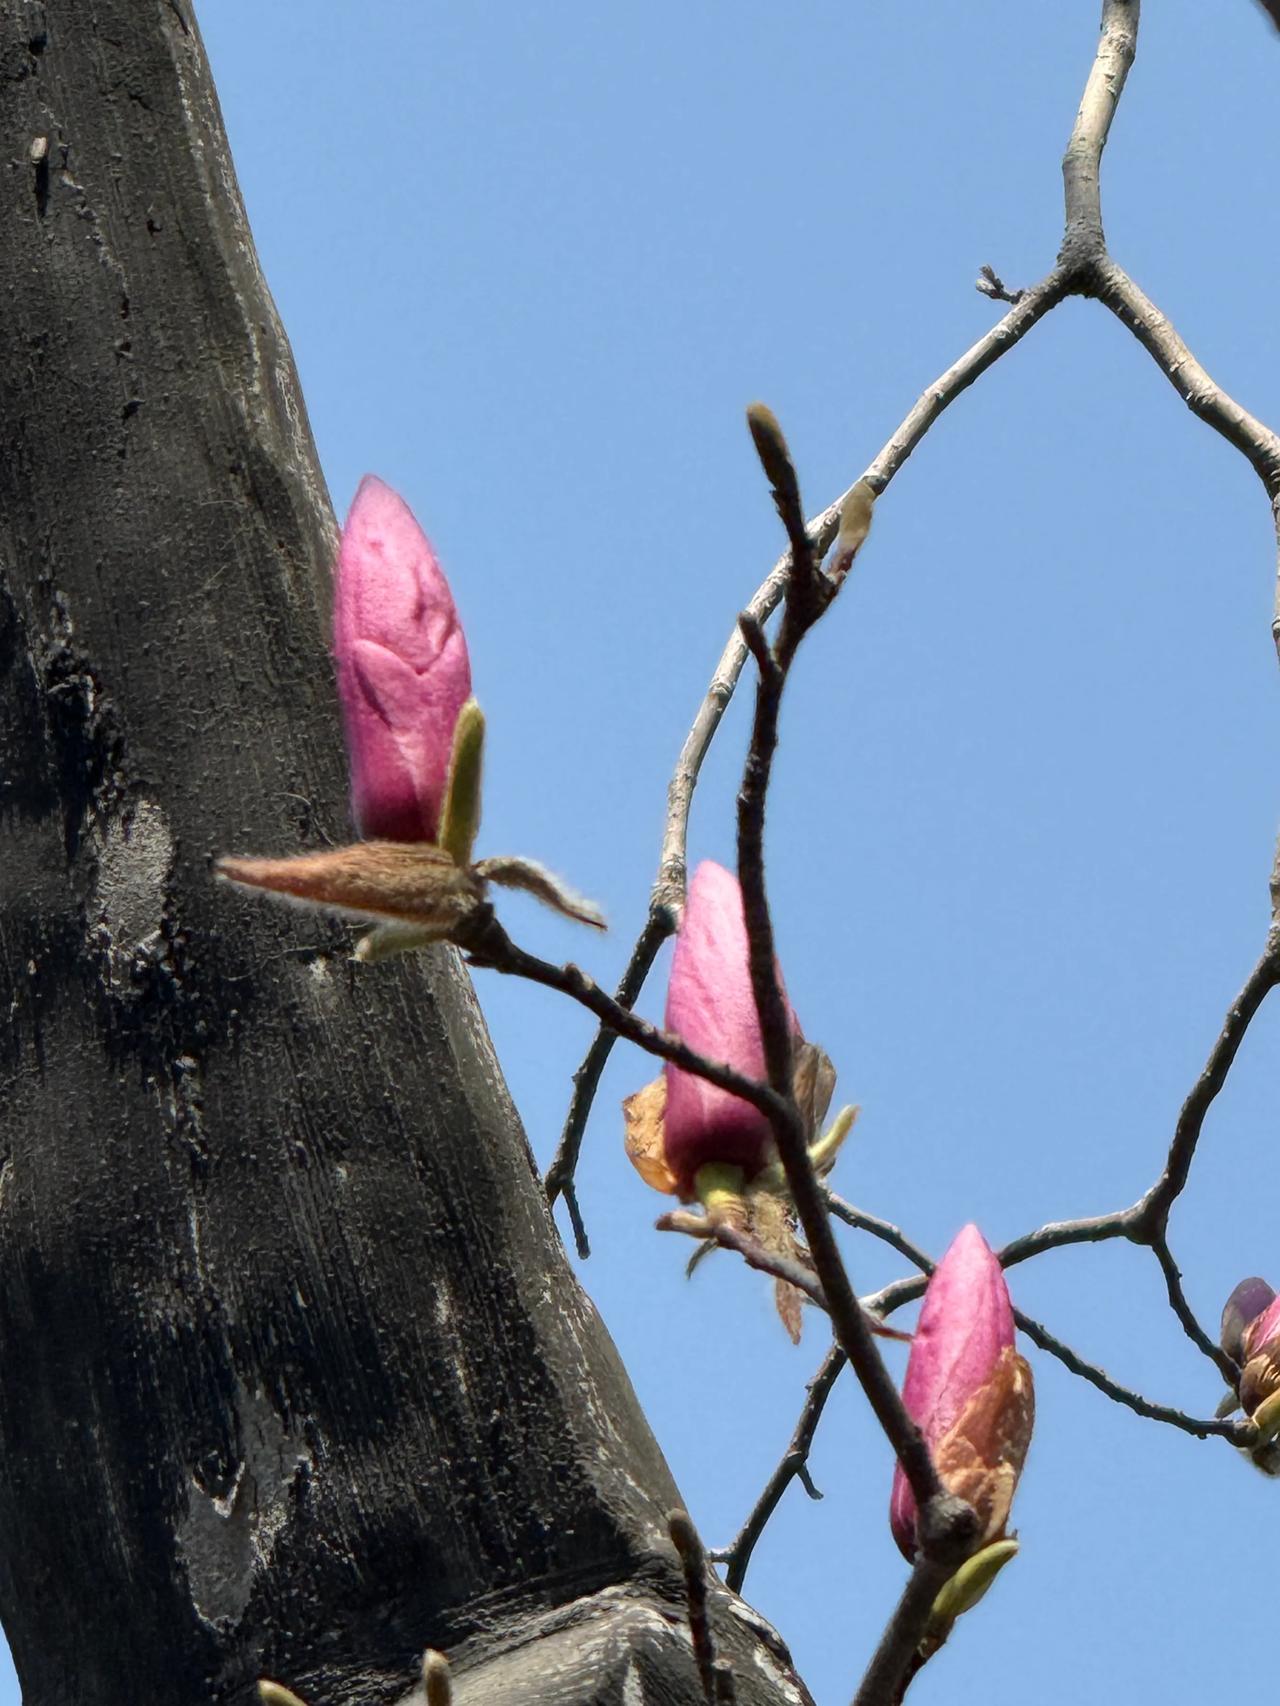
1184 1312
559 1180
1082 163
1153 1210
851 1328
492 948
1239 1433
1093 1229
667 899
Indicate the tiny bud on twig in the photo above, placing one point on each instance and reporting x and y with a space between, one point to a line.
693 1557
780 470
435 1678
991 284
276 1694
855 523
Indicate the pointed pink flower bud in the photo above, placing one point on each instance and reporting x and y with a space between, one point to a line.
403 672
711 1006
967 1389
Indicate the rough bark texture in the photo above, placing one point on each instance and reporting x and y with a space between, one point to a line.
296 1379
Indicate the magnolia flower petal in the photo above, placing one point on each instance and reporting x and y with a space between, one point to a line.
1264 1330
1247 1303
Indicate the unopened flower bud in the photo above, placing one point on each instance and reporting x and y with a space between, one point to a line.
711 1005
968 1390
1251 1336
403 671
1245 1306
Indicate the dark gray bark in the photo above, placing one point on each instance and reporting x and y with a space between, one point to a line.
294 1377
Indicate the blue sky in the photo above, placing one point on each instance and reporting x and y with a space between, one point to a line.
534 262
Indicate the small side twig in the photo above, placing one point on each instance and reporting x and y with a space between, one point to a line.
436 1679
658 926
1186 1315
1153 1211
793 1463
1239 1433
753 1253
991 284
888 1234
492 948
693 1562
773 1262
901 1292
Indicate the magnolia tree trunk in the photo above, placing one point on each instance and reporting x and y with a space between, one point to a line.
296 1379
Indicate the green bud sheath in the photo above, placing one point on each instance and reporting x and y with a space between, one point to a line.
823 1152
970 1582
719 1189
460 818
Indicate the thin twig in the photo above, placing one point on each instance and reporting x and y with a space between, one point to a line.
492 948
667 899
1034 1243
578 1226
754 1254
1153 1210
1239 1433
1058 1234
887 1233
1208 401
892 1660
789 1269
658 926
1186 1315
776 461
793 1462
791 1138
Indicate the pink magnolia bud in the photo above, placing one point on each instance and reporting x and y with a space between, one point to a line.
711 1007
1251 1334
403 672
967 1389
1246 1305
